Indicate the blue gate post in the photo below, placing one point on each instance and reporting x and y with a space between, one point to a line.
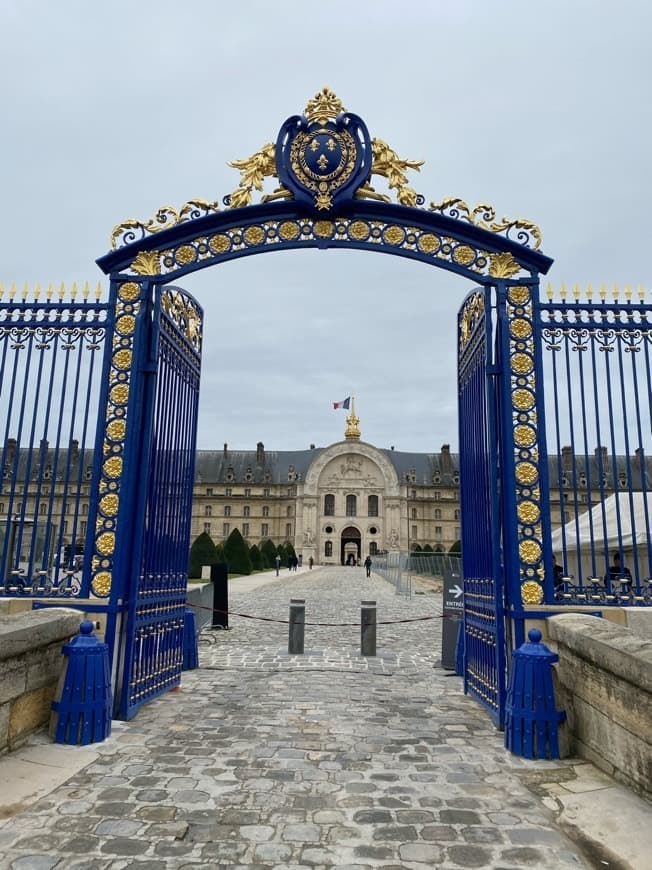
524 495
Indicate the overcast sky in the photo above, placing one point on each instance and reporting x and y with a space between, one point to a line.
111 110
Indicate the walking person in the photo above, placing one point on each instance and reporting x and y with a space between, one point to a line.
367 564
278 563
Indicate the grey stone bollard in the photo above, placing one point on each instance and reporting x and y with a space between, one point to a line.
297 626
368 628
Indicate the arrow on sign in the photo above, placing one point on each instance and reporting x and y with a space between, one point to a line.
456 591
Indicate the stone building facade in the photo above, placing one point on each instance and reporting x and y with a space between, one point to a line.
332 503
352 498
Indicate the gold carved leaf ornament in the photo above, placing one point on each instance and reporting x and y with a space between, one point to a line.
147 263
387 163
253 171
503 265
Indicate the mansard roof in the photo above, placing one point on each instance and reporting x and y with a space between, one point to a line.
253 466
291 466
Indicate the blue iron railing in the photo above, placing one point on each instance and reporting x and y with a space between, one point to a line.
598 384
51 357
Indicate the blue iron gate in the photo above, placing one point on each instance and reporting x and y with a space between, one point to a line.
484 631
153 643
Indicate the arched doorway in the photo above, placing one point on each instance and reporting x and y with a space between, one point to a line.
350 543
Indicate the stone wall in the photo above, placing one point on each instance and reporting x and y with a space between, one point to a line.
604 682
30 664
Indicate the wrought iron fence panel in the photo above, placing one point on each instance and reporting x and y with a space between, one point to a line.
598 381
51 358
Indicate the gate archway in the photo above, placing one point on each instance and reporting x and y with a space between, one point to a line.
324 161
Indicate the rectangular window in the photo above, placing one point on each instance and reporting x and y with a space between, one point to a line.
437 495
246 510
414 533
245 530
414 513
209 491
264 530
265 511
247 493
228 492
207 528
414 493
227 510
226 530
438 533
266 493
288 530
83 527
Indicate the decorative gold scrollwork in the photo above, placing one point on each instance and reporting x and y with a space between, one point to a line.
473 310
484 216
184 314
133 230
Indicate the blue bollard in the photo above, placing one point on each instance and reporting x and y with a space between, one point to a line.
190 647
531 717
459 650
81 711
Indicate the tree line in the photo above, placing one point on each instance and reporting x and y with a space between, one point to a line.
234 552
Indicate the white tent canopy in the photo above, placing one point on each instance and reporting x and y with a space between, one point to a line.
623 515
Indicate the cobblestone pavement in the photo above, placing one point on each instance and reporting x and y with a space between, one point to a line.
328 760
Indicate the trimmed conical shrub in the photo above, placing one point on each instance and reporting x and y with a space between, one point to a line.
256 558
236 554
289 550
202 552
268 551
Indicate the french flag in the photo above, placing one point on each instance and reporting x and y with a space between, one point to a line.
345 404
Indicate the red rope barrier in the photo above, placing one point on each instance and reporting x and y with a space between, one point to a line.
324 624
